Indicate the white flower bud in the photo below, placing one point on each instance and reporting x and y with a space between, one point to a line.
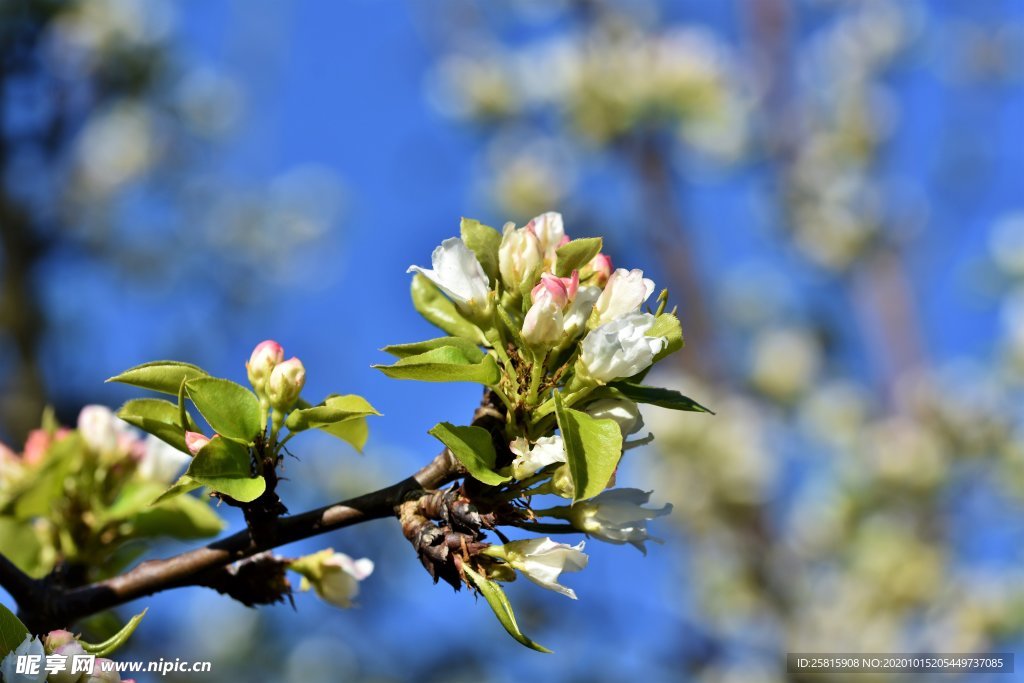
285 384
456 270
625 292
262 360
519 257
528 461
334 576
617 516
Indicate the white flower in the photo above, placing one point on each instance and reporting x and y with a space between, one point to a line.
620 348
458 273
161 461
542 561
545 451
334 576
30 647
575 317
550 234
519 256
542 325
617 516
625 413
625 291
100 428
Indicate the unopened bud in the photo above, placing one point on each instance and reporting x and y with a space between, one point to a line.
56 639
599 268
262 361
98 674
285 384
195 441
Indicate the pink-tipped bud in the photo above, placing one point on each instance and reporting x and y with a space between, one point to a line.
59 638
555 288
195 441
285 383
572 284
262 361
599 268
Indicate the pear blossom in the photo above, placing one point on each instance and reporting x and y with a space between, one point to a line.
617 516
519 256
542 561
335 576
100 428
624 292
262 360
625 413
529 460
574 320
599 268
620 348
30 647
285 383
195 441
550 233
161 461
36 445
543 323
456 270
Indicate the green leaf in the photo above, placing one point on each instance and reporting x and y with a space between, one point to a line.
474 449
592 448
576 254
483 241
160 418
224 466
108 646
185 484
231 409
162 375
433 305
185 518
354 432
12 632
469 348
20 544
334 409
657 396
667 325
444 364
496 598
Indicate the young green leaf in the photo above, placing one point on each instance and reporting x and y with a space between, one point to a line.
657 396
667 325
576 254
473 448
19 543
12 631
444 364
164 376
224 466
185 518
592 449
439 310
334 409
158 417
185 484
483 241
111 644
231 409
498 602
468 347
354 432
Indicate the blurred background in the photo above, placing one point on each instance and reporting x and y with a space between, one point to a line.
833 191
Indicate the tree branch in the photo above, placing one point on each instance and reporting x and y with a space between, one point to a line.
45 606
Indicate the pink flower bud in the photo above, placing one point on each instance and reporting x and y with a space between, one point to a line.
56 639
554 286
36 444
285 383
599 268
195 441
262 361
